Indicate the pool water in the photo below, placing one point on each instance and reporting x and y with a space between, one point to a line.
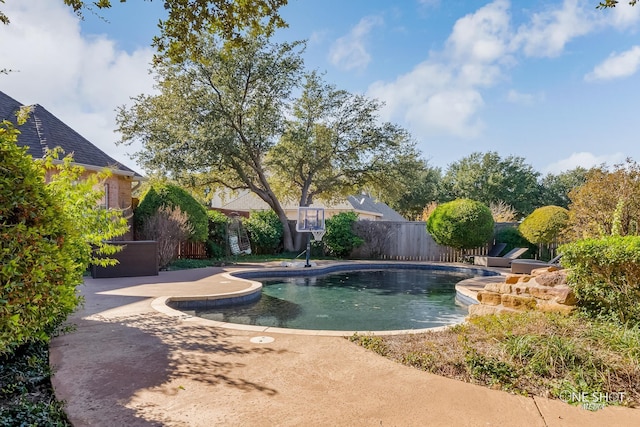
378 300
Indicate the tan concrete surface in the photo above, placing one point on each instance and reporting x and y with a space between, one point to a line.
127 364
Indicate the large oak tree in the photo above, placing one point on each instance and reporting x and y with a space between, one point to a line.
225 122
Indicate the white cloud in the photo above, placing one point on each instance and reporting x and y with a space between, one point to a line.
617 66
481 37
349 52
585 160
441 95
526 99
79 79
624 15
551 30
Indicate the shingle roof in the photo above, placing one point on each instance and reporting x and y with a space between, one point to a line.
367 203
44 131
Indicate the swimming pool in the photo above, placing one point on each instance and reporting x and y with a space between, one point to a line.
374 299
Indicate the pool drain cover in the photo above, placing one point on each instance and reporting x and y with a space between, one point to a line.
262 340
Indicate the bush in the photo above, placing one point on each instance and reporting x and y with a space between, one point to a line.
340 238
544 224
38 277
514 239
461 224
605 276
216 242
172 196
265 231
168 227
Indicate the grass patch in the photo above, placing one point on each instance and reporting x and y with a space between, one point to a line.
26 395
529 353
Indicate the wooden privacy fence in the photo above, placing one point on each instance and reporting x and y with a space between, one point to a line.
404 241
192 250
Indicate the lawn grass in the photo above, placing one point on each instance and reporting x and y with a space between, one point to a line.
528 353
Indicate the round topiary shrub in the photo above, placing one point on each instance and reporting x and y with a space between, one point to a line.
461 224
171 196
37 270
544 224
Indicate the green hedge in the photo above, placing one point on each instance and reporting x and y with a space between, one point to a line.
265 232
216 241
340 238
461 224
605 276
171 196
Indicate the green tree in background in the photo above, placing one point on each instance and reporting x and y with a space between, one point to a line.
333 146
488 178
607 202
556 188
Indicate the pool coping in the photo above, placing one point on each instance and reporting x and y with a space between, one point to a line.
465 293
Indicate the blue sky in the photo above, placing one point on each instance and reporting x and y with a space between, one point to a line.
555 82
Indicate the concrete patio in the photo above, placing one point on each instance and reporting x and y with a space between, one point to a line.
128 364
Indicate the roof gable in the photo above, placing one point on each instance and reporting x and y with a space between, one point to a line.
43 131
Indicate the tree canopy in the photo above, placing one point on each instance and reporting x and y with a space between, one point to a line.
488 178
607 203
334 145
187 19
221 122
556 188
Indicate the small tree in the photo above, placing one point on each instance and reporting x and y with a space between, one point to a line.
340 238
461 224
544 225
168 227
265 231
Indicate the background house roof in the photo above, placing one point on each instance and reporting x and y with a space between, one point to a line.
365 202
246 201
44 131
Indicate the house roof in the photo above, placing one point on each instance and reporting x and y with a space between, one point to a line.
246 201
365 202
43 131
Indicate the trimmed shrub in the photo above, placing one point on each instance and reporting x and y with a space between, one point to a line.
340 238
37 273
605 276
544 224
216 242
172 196
265 231
461 224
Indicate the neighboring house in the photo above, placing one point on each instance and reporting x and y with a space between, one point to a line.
364 205
44 131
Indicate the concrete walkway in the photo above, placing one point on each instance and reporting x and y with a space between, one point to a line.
128 364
